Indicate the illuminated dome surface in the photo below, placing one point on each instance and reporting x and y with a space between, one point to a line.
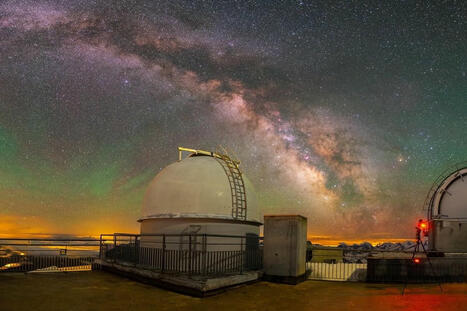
196 187
450 199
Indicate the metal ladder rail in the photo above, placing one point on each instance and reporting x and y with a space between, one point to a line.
237 186
239 210
233 177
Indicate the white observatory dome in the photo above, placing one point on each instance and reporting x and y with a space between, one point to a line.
195 187
449 199
447 211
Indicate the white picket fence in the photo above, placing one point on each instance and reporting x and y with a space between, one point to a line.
355 272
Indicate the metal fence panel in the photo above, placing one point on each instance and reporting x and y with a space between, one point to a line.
191 254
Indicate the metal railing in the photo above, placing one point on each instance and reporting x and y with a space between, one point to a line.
45 263
387 267
339 271
336 266
344 264
192 254
47 254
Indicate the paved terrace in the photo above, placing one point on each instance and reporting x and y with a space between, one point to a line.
102 291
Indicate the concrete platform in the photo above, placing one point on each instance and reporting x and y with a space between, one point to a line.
96 290
291 280
197 286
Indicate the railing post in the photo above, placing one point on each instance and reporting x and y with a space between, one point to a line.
115 248
135 252
190 257
100 247
205 264
138 248
163 253
242 255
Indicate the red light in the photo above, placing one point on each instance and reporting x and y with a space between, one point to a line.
416 260
422 225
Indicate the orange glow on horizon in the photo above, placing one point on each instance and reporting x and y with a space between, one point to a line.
335 241
37 227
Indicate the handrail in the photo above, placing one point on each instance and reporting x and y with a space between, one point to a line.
203 152
175 235
58 240
71 245
200 254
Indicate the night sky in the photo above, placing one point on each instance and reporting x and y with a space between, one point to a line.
344 112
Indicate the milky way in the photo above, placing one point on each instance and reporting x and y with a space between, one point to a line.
343 113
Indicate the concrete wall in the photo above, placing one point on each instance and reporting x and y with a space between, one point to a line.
448 236
285 245
442 269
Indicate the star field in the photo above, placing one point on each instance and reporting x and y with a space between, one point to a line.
342 112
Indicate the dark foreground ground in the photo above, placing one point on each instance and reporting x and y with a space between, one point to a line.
102 291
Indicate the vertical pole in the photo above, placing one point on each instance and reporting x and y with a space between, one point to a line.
189 255
115 247
204 255
134 250
138 248
100 247
242 254
163 253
